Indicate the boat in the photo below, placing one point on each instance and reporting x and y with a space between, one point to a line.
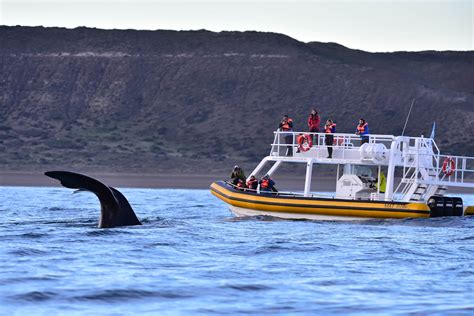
417 178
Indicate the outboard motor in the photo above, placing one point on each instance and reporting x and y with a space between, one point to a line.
445 206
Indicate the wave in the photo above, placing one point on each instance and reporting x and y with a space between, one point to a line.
108 232
26 280
246 287
53 209
33 235
130 294
263 218
26 252
35 296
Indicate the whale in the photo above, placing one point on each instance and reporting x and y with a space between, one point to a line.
115 210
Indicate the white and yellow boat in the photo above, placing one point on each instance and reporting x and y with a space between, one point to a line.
417 178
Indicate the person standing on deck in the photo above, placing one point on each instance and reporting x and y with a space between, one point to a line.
313 123
329 129
363 131
286 125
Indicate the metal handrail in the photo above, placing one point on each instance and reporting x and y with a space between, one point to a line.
259 191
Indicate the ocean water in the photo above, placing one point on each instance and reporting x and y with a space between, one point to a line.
191 256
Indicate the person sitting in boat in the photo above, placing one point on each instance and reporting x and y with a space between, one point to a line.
267 184
329 129
240 184
252 183
286 125
236 175
363 131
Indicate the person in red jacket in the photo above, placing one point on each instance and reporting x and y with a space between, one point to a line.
313 123
252 183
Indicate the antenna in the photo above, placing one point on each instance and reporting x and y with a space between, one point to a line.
408 116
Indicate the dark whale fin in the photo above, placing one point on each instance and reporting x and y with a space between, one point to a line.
114 207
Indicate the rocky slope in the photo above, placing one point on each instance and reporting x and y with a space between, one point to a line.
167 101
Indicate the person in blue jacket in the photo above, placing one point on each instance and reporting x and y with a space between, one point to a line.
363 131
267 184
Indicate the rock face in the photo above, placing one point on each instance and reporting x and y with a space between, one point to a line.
167 101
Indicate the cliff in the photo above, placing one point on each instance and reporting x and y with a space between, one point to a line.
197 101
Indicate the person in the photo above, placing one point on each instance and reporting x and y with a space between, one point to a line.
329 129
241 184
252 183
267 184
363 131
237 176
286 125
383 183
313 123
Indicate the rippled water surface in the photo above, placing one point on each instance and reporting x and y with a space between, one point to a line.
192 256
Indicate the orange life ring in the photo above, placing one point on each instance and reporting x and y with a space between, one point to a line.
449 166
305 142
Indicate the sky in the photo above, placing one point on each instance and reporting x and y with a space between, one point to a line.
376 25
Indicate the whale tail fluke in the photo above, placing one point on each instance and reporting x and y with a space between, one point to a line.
72 180
115 209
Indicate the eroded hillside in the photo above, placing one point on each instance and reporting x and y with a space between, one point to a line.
165 101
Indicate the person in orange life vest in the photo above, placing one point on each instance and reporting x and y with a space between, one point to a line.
267 184
286 125
241 184
329 129
363 131
252 183
313 123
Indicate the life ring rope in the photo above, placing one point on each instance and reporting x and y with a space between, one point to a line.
305 142
449 166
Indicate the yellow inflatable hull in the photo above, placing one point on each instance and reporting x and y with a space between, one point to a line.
245 203
315 207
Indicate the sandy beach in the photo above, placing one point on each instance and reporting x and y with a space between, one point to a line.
172 181
114 179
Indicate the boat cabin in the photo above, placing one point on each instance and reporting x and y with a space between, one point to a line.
411 167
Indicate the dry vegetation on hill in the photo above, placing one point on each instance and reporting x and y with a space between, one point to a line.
165 101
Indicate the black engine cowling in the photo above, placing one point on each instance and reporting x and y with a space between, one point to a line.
445 206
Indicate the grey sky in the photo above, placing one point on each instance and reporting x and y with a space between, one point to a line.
369 25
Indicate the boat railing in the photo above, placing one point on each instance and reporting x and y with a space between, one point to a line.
426 171
409 177
342 142
440 167
452 170
278 193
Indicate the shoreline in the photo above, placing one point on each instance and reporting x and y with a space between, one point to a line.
170 181
152 181
125 180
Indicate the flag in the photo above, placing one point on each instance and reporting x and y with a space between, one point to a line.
433 131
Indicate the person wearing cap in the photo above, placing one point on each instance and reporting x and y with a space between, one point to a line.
237 176
362 130
286 125
313 124
267 184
